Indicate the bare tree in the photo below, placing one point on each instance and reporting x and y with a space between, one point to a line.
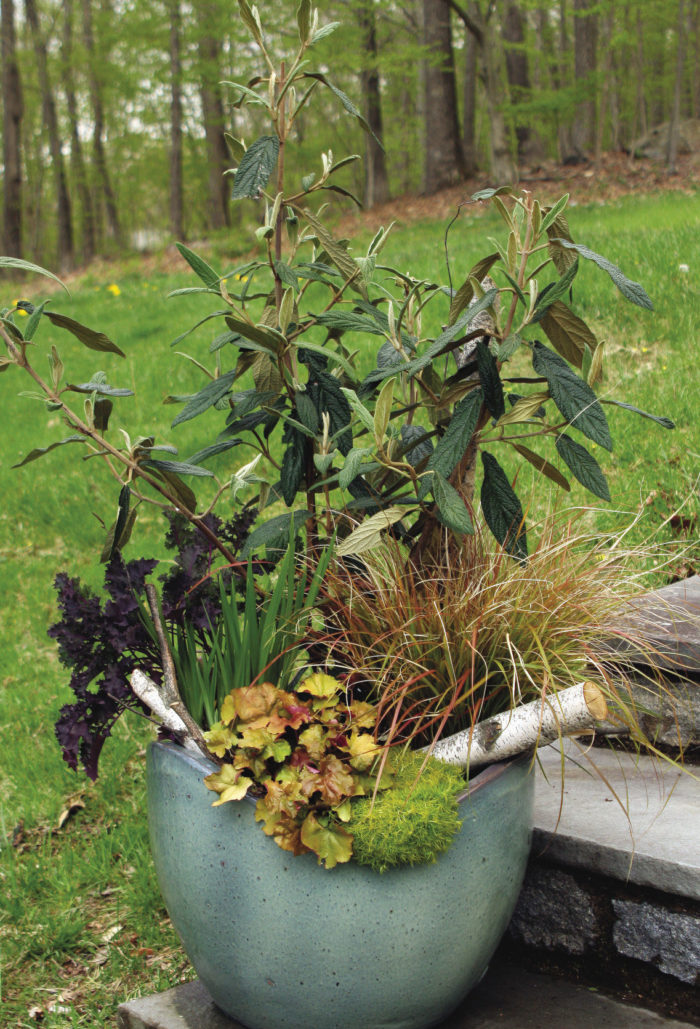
63 205
471 58
98 123
12 124
674 127
376 176
444 161
79 170
214 118
176 184
585 59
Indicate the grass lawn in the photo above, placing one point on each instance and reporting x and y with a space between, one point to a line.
82 926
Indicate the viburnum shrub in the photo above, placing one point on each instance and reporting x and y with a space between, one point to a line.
344 458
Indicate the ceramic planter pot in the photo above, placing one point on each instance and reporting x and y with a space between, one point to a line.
281 943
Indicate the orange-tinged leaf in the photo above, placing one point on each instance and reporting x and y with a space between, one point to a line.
320 685
363 715
228 783
219 739
333 781
314 740
253 702
363 750
331 843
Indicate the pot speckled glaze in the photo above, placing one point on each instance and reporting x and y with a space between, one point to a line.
281 943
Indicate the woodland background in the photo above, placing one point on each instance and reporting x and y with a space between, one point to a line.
115 119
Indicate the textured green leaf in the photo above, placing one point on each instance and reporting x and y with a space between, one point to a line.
583 466
661 419
337 253
274 533
417 445
348 321
352 466
103 388
306 410
368 534
632 291
553 213
33 321
101 412
453 511
490 379
505 350
464 294
382 411
213 450
293 463
88 337
176 467
40 451
567 333
542 466
26 266
256 167
487 194
325 30
343 97
450 449
502 509
268 340
554 292
205 272
287 274
331 843
304 20
574 397
524 408
206 398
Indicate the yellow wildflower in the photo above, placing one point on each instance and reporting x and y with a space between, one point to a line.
20 311
114 289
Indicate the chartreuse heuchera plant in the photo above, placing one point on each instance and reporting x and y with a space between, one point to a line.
393 468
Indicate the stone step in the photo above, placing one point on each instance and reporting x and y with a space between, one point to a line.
510 997
612 891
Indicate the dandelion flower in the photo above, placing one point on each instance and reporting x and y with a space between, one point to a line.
114 289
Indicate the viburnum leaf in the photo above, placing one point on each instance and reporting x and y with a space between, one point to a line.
574 397
583 466
256 167
331 843
502 509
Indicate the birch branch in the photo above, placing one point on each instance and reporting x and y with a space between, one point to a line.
149 694
558 714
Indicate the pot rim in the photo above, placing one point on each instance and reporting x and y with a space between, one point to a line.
480 780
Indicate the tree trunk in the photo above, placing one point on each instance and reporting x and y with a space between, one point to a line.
444 161
12 125
503 167
585 51
471 50
176 185
606 92
516 67
63 206
376 177
642 122
674 127
87 219
214 125
100 157
562 81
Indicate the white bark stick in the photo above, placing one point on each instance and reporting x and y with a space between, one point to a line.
147 692
558 714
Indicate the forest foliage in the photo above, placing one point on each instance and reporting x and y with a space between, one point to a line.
118 125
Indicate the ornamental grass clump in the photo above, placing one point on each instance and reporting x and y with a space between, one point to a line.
439 610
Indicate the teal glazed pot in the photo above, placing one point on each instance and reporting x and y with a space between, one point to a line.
281 943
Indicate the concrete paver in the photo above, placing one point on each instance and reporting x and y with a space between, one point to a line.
508 998
636 820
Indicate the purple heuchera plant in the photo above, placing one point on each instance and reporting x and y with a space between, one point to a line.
102 643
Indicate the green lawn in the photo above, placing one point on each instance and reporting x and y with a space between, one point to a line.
82 925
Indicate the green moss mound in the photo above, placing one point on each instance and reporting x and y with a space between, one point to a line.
414 821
